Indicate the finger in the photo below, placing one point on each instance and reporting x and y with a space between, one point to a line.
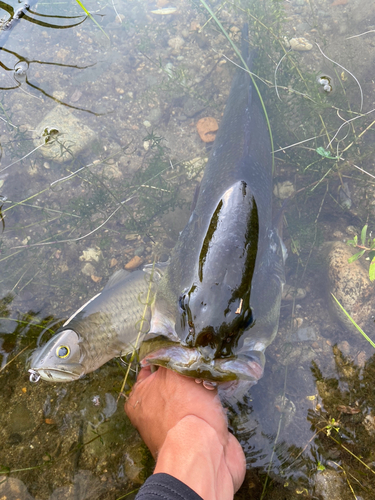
144 378
236 461
144 373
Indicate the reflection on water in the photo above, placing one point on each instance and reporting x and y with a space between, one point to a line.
98 143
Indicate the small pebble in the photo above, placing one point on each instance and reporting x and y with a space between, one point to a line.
207 128
135 262
88 269
344 347
96 279
176 43
300 44
284 190
139 251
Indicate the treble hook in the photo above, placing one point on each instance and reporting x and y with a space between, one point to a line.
34 376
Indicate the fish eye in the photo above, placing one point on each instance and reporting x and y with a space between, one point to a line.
62 351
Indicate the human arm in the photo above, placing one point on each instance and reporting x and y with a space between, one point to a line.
184 426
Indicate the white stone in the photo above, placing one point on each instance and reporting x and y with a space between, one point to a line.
300 44
68 138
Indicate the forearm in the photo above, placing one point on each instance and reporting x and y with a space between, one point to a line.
192 453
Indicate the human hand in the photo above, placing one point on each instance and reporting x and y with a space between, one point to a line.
186 425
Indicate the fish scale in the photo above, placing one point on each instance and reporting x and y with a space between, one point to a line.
105 327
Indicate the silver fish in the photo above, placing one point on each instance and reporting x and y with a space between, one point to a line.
108 325
218 304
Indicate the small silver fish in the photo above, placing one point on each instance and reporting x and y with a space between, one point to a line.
108 325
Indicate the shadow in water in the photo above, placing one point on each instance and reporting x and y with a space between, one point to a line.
21 67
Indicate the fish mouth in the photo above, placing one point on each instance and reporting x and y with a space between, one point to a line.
190 362
53 375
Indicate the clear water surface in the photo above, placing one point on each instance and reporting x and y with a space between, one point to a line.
100 158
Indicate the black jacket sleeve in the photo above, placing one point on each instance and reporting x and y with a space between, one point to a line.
165 487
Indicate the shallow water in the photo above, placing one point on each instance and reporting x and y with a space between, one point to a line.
119 108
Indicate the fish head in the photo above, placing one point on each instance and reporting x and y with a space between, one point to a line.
59 360
204 326
214 309
213 318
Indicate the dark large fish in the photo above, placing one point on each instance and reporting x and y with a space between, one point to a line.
218 304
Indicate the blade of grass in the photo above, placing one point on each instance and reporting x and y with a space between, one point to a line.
354 323
91 17
211 12
147 304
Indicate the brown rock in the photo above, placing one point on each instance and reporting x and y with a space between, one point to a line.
207 128
12 488
96 279
350 284
134 263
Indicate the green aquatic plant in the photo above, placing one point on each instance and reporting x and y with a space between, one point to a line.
239 55
91 17
353 322
366 245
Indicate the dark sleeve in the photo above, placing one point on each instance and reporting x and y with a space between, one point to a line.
165 487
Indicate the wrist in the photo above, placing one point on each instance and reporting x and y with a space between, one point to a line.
193 453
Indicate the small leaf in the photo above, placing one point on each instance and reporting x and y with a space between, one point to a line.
371 271
351 243
356 239
4 469
326 154
372 244
320 466
371 254
363 235
356 256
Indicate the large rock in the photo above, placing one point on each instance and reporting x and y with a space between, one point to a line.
66 135
350 284
13 489
331 485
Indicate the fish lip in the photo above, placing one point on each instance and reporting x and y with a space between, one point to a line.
47 374
189 362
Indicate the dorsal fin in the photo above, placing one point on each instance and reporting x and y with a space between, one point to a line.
118 276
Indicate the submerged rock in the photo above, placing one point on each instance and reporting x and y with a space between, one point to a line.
65 136
13 489
350 284
331 485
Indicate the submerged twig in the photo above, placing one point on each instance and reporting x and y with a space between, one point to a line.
147 304
277 67
347 122
15 357
361 34
117 14
73 239
20 159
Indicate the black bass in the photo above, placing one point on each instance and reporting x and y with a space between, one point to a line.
218 304
108 325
